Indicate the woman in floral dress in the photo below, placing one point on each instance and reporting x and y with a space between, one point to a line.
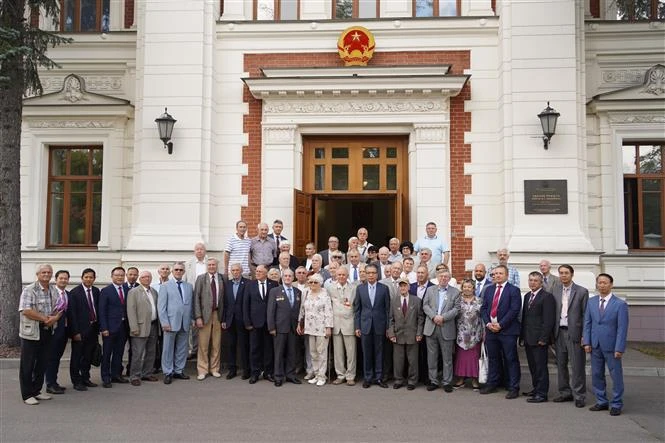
469 336
316 321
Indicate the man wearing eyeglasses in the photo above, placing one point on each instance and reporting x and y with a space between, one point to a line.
333 249
175 315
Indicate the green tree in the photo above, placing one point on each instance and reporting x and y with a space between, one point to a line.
22 52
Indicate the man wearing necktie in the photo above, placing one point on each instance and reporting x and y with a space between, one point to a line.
480 277
372 307
353 256
538 313
143 329
60 335
84 329
605 332
441 305
343 293
114 327
208 312
175 308
254 311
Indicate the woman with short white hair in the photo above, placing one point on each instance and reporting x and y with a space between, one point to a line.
316 321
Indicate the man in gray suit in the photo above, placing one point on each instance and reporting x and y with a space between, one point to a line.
571 300
342 293
549 280
208 312
441 305
405 331
143 329
175 314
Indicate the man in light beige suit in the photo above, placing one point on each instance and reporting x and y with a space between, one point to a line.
143 329
208 310
194 267
342 293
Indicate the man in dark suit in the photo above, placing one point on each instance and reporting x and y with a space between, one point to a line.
276 234
84 329
60 335
234 324
282 322
371 307
333 246
480 279
500 310
605 331
254 311
285 246
571 301
536 335
114 327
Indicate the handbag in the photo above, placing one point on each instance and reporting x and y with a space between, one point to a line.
96 358
482 365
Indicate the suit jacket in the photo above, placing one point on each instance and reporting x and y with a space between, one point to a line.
255 308
485 283
233 305
281 316
79 311
112 313
293 262
394 291
413 288
552 281
508 310
406 328
450 310
139 311
190 270
367 316
342 305
608 332
173 309
325 257
203 297
577 302
538 320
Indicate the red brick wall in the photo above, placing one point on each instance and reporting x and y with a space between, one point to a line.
129 13
460 153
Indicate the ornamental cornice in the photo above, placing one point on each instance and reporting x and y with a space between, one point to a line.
77 124
279 134
619 118
385 106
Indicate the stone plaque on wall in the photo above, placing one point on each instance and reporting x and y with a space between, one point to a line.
545 196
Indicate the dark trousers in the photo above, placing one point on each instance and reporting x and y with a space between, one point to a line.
372 345
34 354
260 351
496 344
56 349
113 347
536 356
285 355
423 371
387 359
82 351
238 347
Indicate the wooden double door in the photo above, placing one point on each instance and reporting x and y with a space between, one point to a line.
351 182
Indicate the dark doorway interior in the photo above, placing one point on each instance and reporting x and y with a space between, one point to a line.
343 215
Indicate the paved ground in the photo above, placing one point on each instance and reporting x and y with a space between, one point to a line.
236 411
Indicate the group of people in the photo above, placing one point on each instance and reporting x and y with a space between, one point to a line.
278 314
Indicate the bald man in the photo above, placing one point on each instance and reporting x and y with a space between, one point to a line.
143 329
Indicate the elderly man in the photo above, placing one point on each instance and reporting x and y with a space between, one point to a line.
237 249
310 251
254 311
407 271
194 267
363 244
502 256
438 247
394 276
175 315
425 256
233 322
143 329
405 332
333 247
393 247
383 263
342 294
353 257
164 273
208 313
441 305
285 246
549 280
38 317
262 249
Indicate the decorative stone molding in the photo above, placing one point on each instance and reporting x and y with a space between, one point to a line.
78 124
430 133
623 76
355 107
632 118
654 80
279 134
92 83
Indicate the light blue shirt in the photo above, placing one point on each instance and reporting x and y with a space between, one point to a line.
443 295
436 244
371 289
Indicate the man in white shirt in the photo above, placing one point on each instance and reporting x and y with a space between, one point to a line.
363 244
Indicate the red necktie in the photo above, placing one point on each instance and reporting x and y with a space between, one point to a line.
122 297
495 302
213 292
533 296
404 307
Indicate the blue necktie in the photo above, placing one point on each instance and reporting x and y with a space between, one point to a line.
355 273
180 290
372 294
478 288
289 291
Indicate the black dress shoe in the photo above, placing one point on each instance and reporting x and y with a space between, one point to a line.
181 376
536 399
531 393
410 387
382 383
231 375
55 389
598 407
107 384
615 411
512 394
268 377
432 387
398 385
278 383
90 384
80 387
168 379
120 380
579 403
488 390
294 380
253 379
448 388
245 376
563 398
366 384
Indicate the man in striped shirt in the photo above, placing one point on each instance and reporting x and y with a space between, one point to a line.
237 249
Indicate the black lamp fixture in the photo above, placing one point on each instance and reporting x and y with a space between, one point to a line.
548 118
165 127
